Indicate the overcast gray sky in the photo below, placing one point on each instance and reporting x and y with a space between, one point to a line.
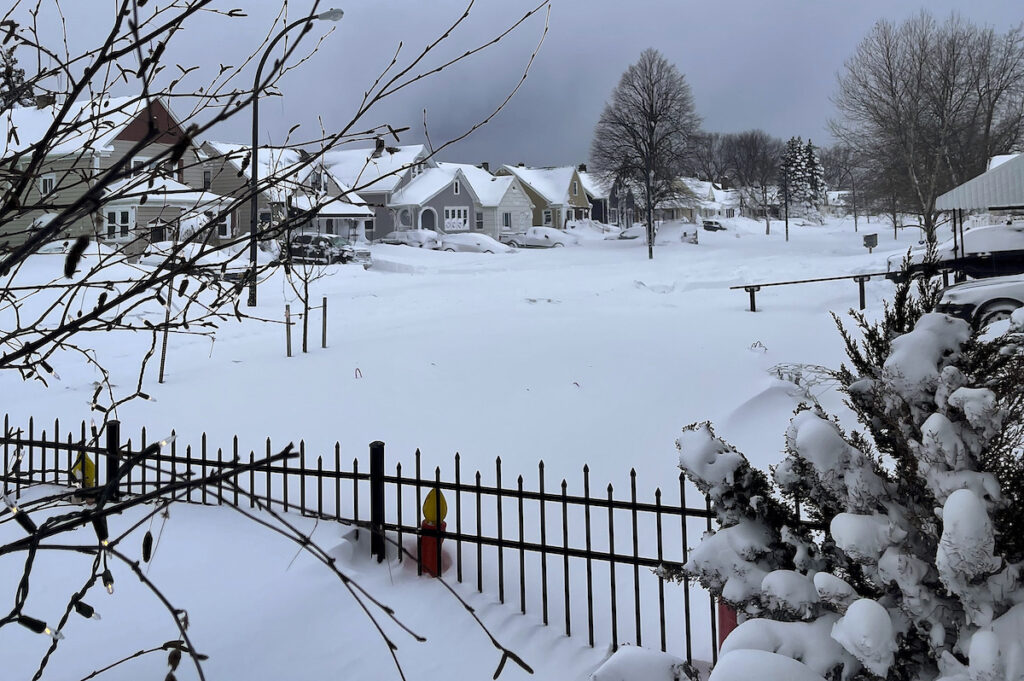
767 64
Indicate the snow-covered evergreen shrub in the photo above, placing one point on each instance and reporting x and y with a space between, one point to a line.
911 566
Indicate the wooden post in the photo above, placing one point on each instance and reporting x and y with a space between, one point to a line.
288 329
323 339
752 290
377 500
860 287
113 447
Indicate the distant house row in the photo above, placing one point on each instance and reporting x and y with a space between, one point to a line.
359 193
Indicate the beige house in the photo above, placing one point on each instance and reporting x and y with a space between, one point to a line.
301 184
557 194
97 135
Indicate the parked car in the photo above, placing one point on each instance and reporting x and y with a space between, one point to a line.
633 232
712 226
472 243
991 251
983 301
542 237
325 249
422 238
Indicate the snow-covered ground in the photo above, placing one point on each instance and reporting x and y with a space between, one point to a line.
578 355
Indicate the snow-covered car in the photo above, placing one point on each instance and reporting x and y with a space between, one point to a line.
423 238
472 243
542 237
712 226
634 232
325 249
989 251
62 246
983 301
222 263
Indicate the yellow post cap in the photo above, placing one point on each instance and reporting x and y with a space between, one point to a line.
431 506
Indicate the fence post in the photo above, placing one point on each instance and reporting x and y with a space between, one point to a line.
113 447
288 329
323 339
860 289
377 500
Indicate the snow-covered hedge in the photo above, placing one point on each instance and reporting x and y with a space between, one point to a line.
912 569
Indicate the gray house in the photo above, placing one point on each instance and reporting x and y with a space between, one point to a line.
503 204
440 199
376 177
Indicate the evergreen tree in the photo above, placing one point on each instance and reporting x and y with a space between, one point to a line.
918 574
794 175
14 91
815 175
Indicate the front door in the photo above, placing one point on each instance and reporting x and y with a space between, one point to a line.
428 220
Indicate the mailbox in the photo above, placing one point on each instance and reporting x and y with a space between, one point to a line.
870 241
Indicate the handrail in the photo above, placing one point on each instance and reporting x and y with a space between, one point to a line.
808 281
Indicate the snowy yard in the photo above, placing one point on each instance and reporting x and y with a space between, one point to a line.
579 355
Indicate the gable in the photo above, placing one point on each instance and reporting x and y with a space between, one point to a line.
170 131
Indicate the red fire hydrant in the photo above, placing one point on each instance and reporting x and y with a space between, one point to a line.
726 622
430 549
434 511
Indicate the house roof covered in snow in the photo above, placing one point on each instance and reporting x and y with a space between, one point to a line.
489 189
999 188
358 168
550 183
429 184
284 163
338 206
596 185
91 125
160 191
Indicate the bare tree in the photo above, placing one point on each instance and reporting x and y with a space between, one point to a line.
932 103
754 157
66 187
707 159
645 130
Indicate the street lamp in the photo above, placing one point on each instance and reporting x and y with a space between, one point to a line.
329 15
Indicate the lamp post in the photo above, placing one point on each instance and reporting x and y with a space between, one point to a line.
329 15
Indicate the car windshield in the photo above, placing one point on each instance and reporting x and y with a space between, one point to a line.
338 240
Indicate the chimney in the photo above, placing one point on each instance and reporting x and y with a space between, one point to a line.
486 166
520 165
583 167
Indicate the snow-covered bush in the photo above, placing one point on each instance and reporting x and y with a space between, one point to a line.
910 565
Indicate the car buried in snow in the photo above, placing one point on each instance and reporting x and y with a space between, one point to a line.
472 243
325 249
983 301
990 251
421 238
540 237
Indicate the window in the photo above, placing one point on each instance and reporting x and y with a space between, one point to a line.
456 219
368 229
137 165
506 221
457 187
207 179
118 223
330 226
46 183
575 187
547 217
479 220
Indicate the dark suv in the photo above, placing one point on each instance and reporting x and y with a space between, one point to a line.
324 249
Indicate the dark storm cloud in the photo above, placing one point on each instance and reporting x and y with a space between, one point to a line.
770 64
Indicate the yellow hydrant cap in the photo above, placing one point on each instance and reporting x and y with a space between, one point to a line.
431 507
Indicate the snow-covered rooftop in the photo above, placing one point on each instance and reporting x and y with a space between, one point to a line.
596 185
423 187
334 207
90 125
489 189
161 191
550 183
1000 160
357 168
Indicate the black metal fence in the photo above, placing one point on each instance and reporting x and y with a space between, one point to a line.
585 558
